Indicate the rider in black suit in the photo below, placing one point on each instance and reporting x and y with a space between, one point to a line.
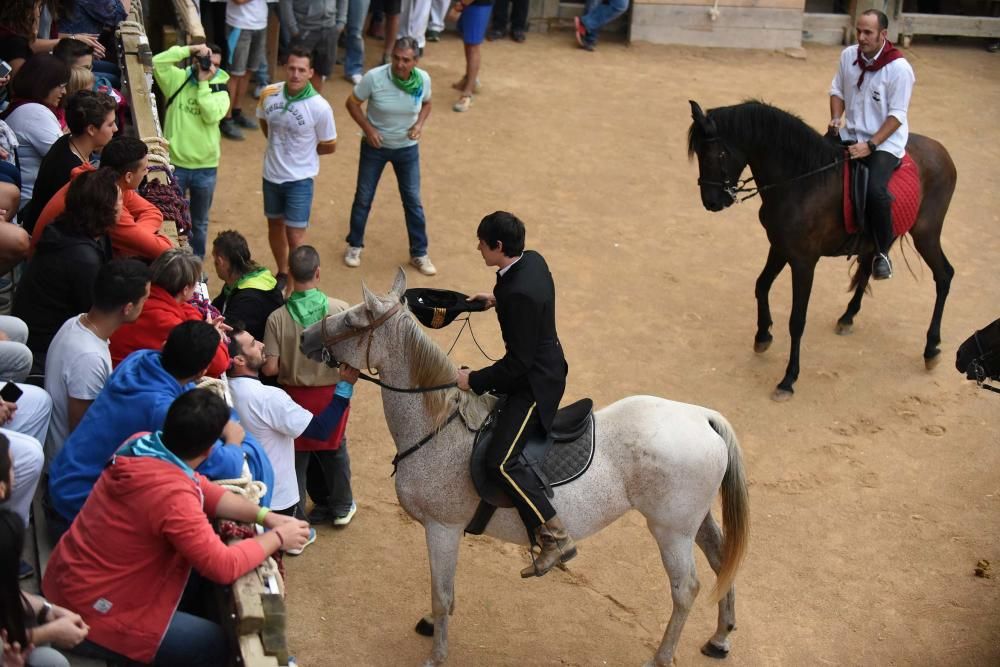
531 375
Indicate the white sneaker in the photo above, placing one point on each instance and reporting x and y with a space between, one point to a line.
355 79
352 256
298 552
346 519
423 264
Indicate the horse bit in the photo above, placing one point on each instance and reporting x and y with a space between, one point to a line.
976 367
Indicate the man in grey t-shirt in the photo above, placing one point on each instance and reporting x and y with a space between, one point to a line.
398 99
79 361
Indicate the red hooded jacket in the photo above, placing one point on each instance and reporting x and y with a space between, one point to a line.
127 557
136 234
160 315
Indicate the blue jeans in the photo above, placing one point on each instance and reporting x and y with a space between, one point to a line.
201 183
190 641
354 60
597 14
406 164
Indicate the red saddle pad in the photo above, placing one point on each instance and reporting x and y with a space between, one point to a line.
905 188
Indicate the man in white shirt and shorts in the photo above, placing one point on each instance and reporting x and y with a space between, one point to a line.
299 127
246 36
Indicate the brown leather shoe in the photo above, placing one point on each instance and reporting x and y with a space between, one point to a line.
557 547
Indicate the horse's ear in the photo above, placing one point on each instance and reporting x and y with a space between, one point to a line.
706 124
371 300
399 284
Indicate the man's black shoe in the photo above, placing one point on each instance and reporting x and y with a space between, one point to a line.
881 267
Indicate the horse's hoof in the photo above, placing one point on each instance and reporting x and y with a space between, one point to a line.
781 395
713 651
931 362
425 627
761 346
844 328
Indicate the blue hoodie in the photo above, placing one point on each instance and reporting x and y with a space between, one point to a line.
135 399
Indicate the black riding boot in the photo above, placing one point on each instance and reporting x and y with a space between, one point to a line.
879 210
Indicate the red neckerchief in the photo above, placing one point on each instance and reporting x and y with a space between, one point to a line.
889 53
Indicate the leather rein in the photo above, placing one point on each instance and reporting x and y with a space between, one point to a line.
369 330
976 367
737 186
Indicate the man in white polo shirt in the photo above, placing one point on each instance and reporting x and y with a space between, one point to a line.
299 127
399 102
872 91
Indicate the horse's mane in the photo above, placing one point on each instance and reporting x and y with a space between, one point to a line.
763 126
430 366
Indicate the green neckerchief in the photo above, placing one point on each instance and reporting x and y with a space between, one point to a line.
257 279
303 94
308 307
413 86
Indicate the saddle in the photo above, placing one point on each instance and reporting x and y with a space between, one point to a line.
561 457
904 187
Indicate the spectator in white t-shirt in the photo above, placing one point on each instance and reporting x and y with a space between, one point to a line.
34 114
299 127
79 362
246 35
271 416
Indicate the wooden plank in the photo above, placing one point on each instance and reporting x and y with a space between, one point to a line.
273 634
768 4
736 27
249 608
829 29
136 86
252 651
189 19
273 35
943 24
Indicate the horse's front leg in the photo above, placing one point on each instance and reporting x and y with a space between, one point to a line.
860 280
802 279
772 267
442 550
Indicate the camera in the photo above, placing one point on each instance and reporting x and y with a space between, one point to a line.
204 63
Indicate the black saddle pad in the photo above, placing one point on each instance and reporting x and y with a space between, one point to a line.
562 458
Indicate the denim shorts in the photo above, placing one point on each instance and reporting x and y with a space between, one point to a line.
291 201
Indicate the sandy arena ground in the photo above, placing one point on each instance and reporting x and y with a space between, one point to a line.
874 492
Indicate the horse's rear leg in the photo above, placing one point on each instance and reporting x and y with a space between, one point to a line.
709 540
677 552
772 267
442 550
929 247
861 278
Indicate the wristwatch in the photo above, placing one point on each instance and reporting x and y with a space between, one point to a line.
871 146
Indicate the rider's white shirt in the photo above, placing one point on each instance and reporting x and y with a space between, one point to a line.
883 93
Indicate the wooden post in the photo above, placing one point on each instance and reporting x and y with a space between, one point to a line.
273 36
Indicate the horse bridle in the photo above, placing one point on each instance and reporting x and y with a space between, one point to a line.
738 186
976 367
369 330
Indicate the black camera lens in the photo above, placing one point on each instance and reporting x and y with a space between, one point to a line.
205 62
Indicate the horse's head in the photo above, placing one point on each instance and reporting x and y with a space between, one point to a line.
979 356
350 336
719 165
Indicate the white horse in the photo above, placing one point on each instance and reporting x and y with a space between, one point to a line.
665 459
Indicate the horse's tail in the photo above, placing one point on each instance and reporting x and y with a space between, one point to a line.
735 509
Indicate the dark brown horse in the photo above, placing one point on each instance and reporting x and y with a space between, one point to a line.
799 175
